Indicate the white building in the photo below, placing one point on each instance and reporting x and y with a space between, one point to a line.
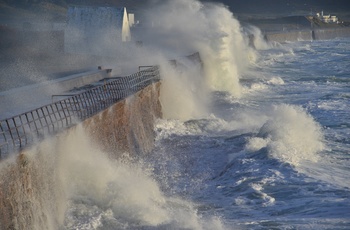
96 30
327 18
131 19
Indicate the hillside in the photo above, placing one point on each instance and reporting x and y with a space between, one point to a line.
286 7
52 10
55 10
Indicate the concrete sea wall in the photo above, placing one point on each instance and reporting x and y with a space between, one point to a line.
31 194
308 35
327 34
290 36
127 126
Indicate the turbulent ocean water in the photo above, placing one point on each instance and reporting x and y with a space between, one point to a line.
277 157
257 139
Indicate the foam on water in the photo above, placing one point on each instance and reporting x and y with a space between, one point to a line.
253 160
120 193
290 135
275 81
259 41
236 149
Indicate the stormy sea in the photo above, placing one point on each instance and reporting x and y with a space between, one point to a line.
277 157
253 138
260 140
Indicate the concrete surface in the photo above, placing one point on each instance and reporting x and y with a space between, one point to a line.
19 100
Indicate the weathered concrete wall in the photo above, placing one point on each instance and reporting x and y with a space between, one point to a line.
308 35
290 36
127 126
327 34
31 195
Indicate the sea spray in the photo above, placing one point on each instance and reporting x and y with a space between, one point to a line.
290 135
90 178
181 27
259 41
225 51
183 94
68 182
102 192
31 193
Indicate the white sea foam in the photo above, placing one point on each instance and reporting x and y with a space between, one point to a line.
100 189
259 42
184 26
290 135
183 94
258 86
276 81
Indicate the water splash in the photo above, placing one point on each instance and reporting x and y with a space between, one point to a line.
122 193
290 135
181 27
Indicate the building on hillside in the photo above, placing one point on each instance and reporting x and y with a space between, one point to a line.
131 19
327 18
96 30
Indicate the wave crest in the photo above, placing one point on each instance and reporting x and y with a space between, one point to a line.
291 135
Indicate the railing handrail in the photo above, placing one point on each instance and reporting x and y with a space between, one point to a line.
24 129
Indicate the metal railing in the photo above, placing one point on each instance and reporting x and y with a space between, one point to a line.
22 130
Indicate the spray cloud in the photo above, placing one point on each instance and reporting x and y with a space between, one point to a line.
182 27
173 29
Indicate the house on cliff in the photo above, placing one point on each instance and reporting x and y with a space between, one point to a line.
96 30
